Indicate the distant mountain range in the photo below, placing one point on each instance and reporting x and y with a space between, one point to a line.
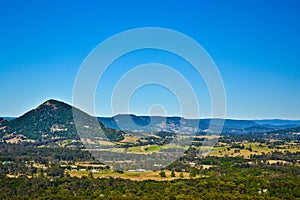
53 121
174 124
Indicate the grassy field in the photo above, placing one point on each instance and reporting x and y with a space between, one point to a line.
153 148
257 149
137 176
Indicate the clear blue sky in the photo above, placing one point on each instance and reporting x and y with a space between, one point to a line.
255 44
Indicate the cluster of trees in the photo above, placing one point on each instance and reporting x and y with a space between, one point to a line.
19 158
235 184
278 136
292 157
22 152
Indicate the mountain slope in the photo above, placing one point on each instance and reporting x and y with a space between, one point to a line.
54 120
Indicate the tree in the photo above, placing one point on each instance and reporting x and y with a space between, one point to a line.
162 174
91 175
173 173
181 175
55 170
193 172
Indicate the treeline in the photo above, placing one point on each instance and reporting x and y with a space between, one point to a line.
242 185
288 156
285 135
12 152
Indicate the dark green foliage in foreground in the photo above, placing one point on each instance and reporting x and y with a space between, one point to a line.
234 185
231 178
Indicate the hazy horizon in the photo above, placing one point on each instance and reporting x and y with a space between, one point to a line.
145 115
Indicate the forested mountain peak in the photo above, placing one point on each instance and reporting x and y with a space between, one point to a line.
51 120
